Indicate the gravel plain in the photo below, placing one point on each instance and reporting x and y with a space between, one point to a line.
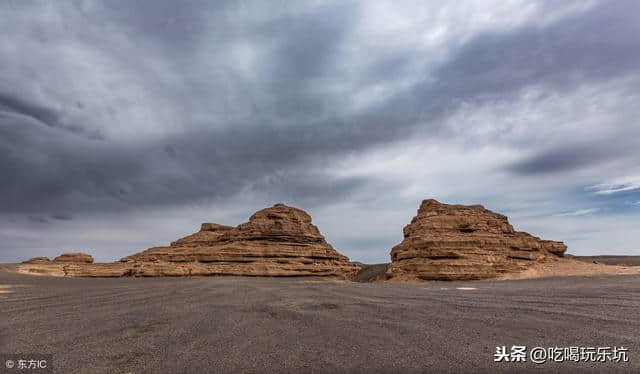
302 325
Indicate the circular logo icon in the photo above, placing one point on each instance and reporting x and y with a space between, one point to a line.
9 364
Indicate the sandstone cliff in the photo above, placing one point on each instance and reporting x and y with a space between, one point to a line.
458 242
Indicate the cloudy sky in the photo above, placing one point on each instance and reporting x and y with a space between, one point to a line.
125 124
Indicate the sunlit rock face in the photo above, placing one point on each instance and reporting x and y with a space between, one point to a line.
458 242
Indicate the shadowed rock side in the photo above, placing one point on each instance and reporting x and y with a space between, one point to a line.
276 241
458 242
371 273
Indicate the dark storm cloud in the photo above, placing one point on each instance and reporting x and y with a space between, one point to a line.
563 159
175 29
38 219
15 106
46 169
599 44
280 129
211 164
557 160
576 155
62 217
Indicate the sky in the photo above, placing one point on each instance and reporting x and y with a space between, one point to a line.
125 124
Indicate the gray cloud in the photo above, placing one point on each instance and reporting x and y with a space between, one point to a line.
11 106
62 217
558 160
599 44
574 155
165 105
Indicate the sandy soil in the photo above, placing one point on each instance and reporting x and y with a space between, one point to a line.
558 267
5 289
571 267
610 260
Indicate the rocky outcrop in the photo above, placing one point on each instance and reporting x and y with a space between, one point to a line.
37 260
279 241
276 241
74 258
458 242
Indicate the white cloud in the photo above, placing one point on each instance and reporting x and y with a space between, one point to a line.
579 212
615 186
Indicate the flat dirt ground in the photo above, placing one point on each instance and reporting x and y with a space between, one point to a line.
267 325
611 260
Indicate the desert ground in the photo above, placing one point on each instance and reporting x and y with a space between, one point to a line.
611 260
290 325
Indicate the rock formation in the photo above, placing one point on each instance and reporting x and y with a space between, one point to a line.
37 260
276 241
458 242
74 258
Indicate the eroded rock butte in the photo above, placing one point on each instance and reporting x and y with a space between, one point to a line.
74 258
459 242
37 260
276 241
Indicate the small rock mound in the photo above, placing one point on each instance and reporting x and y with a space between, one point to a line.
371 273
74 258
458 242
37 260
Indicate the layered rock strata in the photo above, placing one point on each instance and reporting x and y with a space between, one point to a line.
279 241
276 241
458 242
74 258
37 260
